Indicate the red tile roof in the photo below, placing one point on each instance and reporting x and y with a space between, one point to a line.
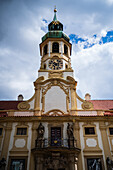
9 105
102 104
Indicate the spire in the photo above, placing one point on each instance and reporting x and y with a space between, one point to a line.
55 25
55 17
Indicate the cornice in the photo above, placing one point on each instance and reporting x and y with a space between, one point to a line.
68 118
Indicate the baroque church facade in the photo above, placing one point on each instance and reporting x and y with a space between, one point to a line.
56 129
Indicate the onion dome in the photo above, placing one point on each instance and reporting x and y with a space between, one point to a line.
55 25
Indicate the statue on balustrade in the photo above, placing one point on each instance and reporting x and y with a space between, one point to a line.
40 136
70 135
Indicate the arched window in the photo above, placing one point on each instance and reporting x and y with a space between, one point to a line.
66 66
45 49
65 49
44 66
55 47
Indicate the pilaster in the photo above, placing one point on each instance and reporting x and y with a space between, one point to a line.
105 142
5 147
77 137
37 101
73 100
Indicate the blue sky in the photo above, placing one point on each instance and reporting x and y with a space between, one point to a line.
88 23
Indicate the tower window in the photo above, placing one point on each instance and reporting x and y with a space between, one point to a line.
45 49
66 66
89 131
65 49
44 66
55 47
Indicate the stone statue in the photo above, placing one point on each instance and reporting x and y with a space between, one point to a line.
109 163
40 131
70 135
40 136
70 131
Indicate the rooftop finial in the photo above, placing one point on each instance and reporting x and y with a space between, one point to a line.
55 10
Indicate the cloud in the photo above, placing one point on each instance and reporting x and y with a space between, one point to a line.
88 42
93 70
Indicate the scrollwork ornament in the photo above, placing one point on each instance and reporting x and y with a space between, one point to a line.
87 105
23 106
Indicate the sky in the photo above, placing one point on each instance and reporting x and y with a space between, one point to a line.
88 23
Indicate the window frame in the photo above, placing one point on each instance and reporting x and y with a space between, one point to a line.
53 47
21 128
17 158
94 157
109 131
89 128
65 48
45 49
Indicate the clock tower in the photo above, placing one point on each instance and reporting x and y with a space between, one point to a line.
55 88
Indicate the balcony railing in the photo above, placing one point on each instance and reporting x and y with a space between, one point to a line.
44 143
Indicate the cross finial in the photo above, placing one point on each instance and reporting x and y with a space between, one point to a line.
55 10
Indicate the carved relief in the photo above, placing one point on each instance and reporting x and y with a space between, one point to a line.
55 74
23 106
87 105
55 112
90 142
20 143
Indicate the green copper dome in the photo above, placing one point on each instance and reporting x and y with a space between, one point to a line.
55 29
55 24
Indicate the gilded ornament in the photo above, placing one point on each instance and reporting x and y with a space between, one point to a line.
87 105
23 106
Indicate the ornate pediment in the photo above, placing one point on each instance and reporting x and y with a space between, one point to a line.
55 112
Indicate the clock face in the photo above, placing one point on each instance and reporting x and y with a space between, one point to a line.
55 64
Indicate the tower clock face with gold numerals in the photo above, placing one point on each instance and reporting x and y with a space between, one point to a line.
55 64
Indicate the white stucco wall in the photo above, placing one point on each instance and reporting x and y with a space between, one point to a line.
31 104
45 74
65 74
90 113
79 104
55 98
23 113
